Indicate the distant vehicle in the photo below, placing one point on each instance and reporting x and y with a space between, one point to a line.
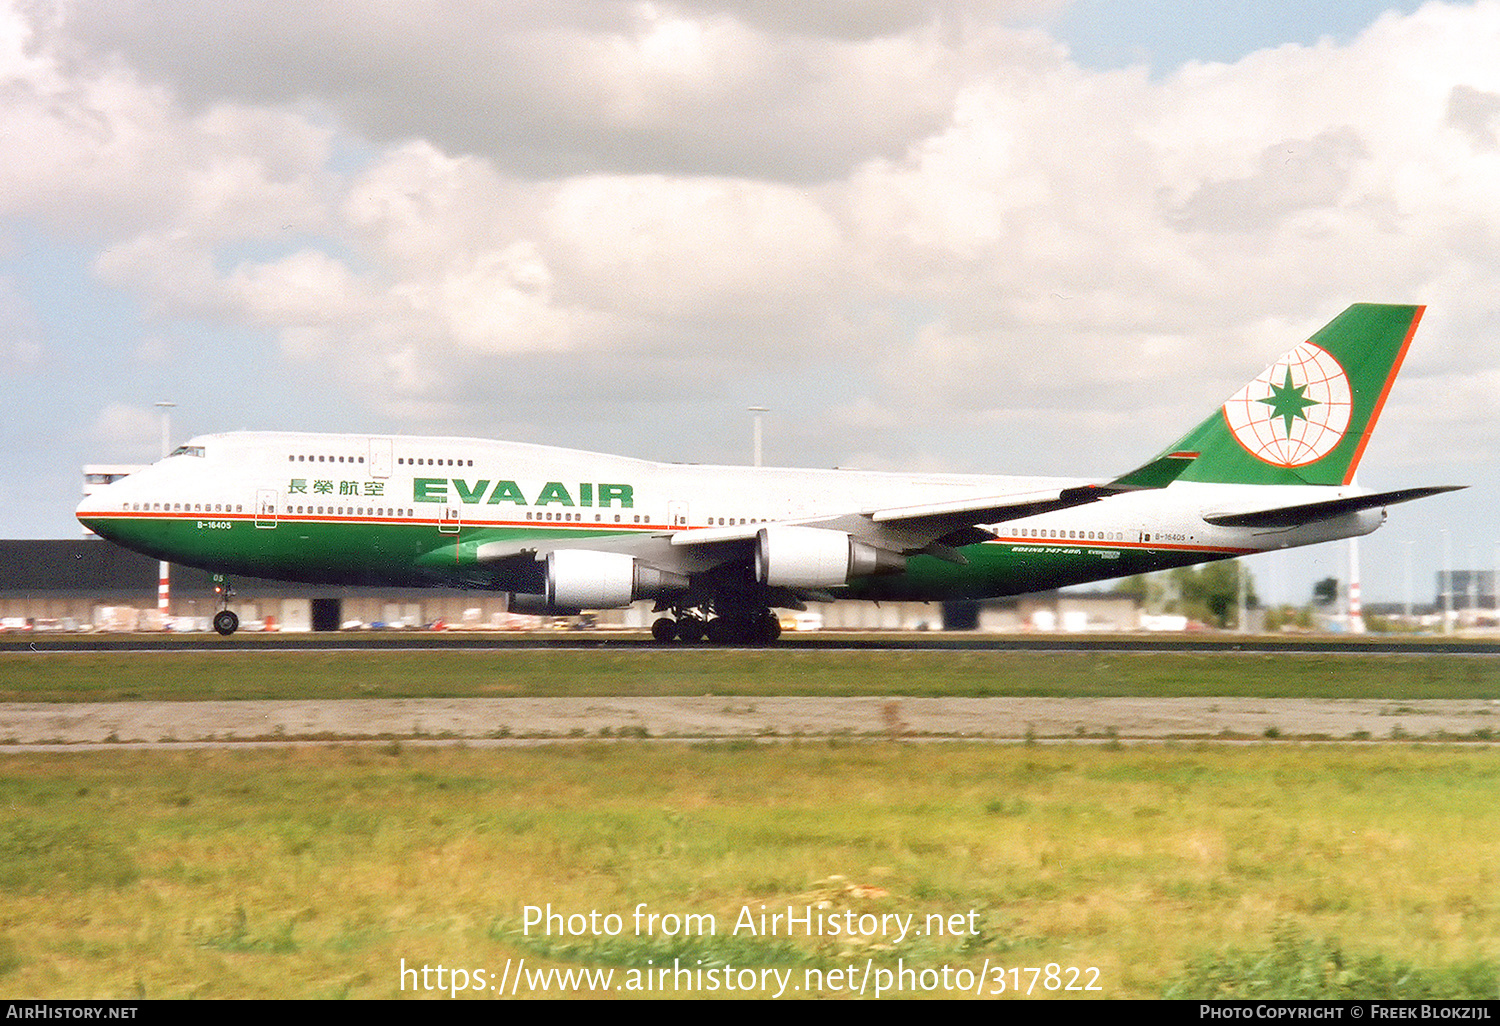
719 548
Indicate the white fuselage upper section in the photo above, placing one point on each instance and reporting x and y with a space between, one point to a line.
479 483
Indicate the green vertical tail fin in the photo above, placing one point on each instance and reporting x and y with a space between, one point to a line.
1307 418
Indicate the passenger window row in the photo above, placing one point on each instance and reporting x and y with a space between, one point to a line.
303 458
358 511
578 517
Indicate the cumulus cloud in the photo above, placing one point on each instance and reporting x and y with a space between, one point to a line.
790 91
927 207
753 248
1475 112
1291 176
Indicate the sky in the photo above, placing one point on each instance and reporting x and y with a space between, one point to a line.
989 236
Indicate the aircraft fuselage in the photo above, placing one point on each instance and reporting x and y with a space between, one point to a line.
413 511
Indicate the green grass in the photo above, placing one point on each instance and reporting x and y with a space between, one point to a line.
1297 968
1186 870
286 675
1191 871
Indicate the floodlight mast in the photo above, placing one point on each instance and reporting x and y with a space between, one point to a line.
756 449
163 575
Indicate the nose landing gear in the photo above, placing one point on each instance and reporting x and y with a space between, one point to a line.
226 622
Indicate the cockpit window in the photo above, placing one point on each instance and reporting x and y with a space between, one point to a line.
187 450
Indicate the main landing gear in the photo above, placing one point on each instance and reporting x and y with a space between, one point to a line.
226 622
733 627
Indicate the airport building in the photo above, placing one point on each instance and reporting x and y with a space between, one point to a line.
76 584
1467 597
1467 589
81 584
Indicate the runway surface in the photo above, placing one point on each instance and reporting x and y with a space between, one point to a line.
812 640
96 726
84 725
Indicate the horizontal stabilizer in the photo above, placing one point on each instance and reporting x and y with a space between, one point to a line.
1311 512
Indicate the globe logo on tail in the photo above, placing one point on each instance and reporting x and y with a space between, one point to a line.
1296 412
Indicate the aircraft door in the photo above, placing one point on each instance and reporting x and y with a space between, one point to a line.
380 457
449 524
265 507
677 513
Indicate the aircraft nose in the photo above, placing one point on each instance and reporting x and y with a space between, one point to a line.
90 513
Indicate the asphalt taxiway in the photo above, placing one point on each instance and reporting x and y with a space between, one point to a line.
968 641
103 725
94 726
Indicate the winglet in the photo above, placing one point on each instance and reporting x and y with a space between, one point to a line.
1159 473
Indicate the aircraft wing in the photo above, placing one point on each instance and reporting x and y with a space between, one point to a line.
1311 512
956 523
941 525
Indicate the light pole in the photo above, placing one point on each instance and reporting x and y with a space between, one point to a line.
1408 545
1473 588
166 425
758 411
1447 583
1243 582
1356 602
163 574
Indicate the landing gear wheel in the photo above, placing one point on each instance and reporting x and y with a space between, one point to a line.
226 623
691 629
768 629
744 627
664 629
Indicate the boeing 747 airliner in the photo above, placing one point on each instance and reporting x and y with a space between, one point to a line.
718 548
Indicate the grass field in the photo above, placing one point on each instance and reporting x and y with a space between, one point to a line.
1188 870
580 673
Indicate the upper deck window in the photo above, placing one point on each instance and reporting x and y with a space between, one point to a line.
187 450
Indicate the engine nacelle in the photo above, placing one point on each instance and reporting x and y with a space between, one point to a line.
815 557
584 579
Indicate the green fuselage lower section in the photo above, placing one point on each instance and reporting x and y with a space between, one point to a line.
397 553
